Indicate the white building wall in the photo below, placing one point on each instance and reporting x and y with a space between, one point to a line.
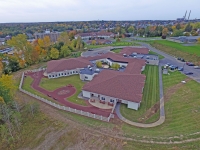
133 105
86 94
63 73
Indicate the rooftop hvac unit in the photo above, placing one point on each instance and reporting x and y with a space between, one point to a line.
88 66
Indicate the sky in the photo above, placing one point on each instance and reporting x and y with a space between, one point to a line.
88 10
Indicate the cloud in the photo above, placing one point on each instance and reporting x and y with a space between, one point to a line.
72 10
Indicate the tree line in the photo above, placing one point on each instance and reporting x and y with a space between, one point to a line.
41 50
178 29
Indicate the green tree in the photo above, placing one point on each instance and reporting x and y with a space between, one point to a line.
54 53
115 66
130 29
99 64
177 33
198 41
188 28
65 51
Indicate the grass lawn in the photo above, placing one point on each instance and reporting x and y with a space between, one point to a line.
154 53
52 84
118 50
121 43
150 95
182 110
189 53
27 86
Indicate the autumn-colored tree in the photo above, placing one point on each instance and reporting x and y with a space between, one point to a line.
1 100
93 42
54 53
72 34
198 41
64 38
164 31
173 28
115 66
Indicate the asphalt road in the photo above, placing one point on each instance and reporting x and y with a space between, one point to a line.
94 52
172 60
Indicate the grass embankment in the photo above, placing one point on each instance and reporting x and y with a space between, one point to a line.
121 43
53 84
154 53
189 53
150 96
182 109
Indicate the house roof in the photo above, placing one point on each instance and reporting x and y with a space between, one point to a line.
130 50
66 64
118 85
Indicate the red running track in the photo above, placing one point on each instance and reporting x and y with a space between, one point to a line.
37 76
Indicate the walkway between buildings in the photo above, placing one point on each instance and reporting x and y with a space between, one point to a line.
162 110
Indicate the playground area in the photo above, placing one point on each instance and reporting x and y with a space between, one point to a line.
62 94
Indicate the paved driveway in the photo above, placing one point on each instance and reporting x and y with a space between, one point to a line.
172 60
94 52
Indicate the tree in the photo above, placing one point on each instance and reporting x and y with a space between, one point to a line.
7 88
115 66
64 38
13 63
1 67
19 42
93 42
78 43
54 53
188 28
198 41
99 64
130 29
164 31
177 33
65 51
178 26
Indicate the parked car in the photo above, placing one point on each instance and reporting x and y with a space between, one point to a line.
196 67
190 64
180 69
188 73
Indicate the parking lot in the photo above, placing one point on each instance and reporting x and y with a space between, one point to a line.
173 61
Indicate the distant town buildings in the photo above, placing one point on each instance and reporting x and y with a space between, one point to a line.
95 35
52 35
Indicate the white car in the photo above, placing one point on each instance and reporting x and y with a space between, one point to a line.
196 67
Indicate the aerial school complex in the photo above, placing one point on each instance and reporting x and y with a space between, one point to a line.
106 85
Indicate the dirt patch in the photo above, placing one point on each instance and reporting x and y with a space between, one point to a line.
149 113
